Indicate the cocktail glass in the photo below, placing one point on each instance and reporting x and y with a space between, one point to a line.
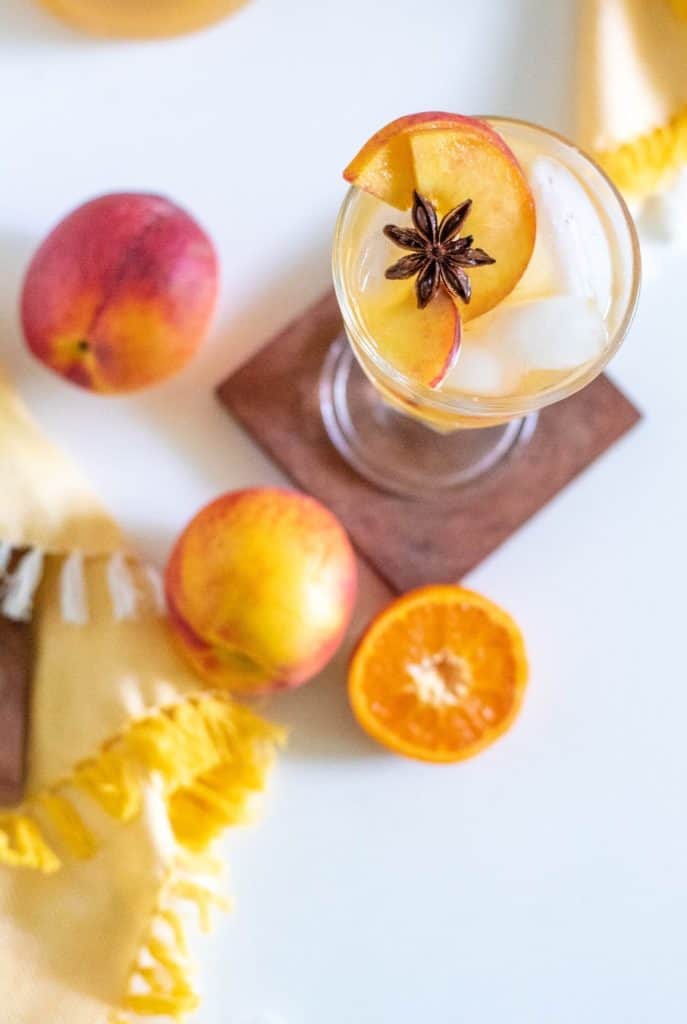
425 442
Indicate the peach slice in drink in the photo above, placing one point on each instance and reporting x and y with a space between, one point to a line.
421 343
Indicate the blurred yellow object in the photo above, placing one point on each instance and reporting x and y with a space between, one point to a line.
137 19
633 90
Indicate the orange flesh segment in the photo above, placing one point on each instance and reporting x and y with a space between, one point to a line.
454 165
421 343
439 675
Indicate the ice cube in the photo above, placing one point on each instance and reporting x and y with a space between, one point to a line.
480 371
571 254
560 333
377 252
500 348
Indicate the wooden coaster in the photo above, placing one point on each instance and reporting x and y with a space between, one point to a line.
275 397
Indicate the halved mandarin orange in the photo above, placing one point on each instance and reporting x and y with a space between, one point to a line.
438 675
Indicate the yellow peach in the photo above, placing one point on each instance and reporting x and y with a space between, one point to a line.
260 589
136 19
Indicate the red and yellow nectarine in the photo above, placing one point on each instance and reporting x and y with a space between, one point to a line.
121 293
260 589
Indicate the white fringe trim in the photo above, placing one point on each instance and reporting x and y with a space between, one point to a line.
73 599
157 588
21 585
125 596
18 587
123 593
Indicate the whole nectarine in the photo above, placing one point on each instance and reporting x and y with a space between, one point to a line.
121 293
260 589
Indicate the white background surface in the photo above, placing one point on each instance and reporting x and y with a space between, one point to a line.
544 882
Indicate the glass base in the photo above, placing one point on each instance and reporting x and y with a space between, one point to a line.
396 452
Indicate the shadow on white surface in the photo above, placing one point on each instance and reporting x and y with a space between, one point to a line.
319 720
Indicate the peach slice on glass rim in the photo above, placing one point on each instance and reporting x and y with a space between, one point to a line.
451 166
422 344
449 158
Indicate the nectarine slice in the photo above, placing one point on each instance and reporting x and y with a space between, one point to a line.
385 167
422 344
454 165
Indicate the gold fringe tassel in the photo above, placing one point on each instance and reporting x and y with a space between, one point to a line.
203 898
79 840
23 845
639 167
160 982
211 753
112 781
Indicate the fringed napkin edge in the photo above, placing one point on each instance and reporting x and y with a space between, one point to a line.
212 756
640 167
21 572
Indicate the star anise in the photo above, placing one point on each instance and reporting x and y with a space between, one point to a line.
438 255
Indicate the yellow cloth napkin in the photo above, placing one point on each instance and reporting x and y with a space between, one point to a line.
133 769
44 503
633 90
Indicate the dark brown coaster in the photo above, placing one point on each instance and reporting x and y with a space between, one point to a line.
275 397
16 657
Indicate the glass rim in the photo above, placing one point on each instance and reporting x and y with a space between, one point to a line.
488 405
